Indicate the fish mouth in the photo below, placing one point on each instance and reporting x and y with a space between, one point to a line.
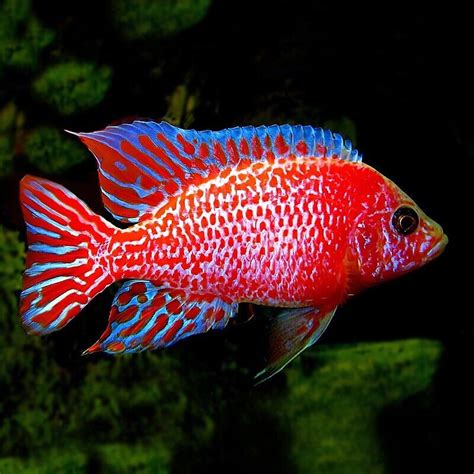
438 248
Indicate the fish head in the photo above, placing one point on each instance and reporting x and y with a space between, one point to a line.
392 238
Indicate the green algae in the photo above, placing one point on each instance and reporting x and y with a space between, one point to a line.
333 412
22 36
53 151
141 19
6 155
328 413
12 253
73 87
181 106
11 124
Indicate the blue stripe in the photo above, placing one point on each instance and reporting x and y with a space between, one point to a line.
137 207
47 219
43 284
38 268
112 138
60 250
39 230
137 187
41 203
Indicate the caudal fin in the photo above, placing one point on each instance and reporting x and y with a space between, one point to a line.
66 263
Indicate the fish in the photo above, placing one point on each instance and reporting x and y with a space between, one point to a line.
287 216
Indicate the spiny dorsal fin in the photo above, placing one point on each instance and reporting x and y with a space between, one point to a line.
142 164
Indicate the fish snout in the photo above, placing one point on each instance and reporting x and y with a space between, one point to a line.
438 247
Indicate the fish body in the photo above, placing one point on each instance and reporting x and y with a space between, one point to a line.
280 216
254 235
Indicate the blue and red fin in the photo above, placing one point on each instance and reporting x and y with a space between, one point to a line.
142 164
62 272
145 316
290 333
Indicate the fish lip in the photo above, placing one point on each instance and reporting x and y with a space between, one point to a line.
438 248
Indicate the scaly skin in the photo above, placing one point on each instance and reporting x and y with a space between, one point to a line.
273 233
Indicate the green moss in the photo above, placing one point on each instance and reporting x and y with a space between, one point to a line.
16 10
73 87
328 415
332 413
111 458
22 37
123 459
7 117
156 410
181 107
11 261
11 122
6 155
141 19
70 462
53 151
28 383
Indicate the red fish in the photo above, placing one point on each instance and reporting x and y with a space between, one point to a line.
285 216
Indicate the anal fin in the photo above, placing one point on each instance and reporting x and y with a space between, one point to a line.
145 316
290 333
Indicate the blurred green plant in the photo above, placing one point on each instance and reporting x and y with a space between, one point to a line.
27 383
53 151
333 411
6 155
152 458
140 19
11 122
72 87
56 462
328 413
144 389
22 37
8 117
181 107
12 255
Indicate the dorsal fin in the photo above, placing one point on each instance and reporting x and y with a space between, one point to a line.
141 164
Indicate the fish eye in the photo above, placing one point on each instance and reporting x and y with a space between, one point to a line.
405 220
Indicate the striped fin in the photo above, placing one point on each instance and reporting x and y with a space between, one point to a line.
290 333
62 272
142 164
145 317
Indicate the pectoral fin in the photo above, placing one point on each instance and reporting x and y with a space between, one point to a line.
290 333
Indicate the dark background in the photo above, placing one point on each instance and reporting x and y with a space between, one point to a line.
393 77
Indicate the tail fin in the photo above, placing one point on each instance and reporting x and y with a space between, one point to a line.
66 263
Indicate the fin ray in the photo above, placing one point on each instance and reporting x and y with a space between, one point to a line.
145 316
142 164
61 274
290 333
